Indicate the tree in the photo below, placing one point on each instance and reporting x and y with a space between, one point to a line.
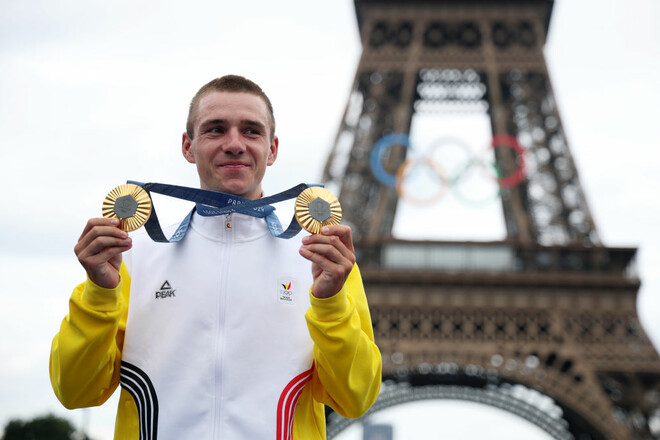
49 427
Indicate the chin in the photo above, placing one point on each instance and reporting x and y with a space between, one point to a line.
237 191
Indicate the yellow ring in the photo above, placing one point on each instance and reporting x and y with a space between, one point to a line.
402 173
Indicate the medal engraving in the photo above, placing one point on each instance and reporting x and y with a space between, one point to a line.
130 204
125 207
317 207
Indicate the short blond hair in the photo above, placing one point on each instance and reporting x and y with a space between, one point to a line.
228 83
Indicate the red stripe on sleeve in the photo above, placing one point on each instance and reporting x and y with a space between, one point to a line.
286 406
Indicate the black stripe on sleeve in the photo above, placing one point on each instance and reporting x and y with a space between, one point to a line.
137 383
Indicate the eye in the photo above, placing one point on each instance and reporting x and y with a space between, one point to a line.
216 130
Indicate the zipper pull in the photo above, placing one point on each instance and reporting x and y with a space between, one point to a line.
228 222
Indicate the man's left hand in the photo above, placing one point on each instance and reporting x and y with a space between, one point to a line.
332 255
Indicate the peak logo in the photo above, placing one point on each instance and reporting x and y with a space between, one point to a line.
285 294
165 291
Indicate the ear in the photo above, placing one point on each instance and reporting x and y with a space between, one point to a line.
272 153
187 149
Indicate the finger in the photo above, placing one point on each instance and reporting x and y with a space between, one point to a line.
329 276
342 231
327 260
332 253
326 243
100 232
100 221
100 244
108 255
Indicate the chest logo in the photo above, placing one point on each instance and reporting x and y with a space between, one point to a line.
285 293
165 291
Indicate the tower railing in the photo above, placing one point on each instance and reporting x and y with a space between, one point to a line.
496 257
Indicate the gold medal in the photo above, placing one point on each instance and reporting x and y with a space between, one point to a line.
317 207
130 204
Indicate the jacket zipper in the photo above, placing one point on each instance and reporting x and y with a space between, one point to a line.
220 344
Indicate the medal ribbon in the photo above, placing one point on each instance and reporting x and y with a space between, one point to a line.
212 203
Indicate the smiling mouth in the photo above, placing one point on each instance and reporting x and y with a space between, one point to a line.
234 165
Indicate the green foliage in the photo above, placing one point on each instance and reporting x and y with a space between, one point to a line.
47 427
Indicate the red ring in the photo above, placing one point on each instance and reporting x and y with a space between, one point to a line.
515 178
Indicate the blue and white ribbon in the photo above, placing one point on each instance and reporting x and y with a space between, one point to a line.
212 203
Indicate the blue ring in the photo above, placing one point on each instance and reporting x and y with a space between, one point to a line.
377 152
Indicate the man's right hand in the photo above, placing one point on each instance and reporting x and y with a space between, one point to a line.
99 251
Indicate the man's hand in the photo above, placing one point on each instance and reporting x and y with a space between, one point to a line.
99 251
332 255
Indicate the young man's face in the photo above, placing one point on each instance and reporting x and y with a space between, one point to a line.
231 145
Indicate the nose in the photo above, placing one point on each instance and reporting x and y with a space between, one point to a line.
233 142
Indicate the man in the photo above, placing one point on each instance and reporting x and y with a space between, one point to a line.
224 338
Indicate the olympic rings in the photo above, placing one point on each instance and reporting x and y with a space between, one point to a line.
458 176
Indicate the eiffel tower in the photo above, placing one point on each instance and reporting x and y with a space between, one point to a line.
543 323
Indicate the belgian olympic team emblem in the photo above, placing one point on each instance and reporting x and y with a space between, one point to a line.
285 291
465 166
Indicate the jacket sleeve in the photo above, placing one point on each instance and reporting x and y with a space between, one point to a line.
348 365
85 355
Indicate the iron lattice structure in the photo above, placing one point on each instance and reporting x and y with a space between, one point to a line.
549 309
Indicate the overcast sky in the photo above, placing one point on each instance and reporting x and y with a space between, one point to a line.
93 93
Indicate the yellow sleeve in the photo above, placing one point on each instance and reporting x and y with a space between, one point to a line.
348 365
85 355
